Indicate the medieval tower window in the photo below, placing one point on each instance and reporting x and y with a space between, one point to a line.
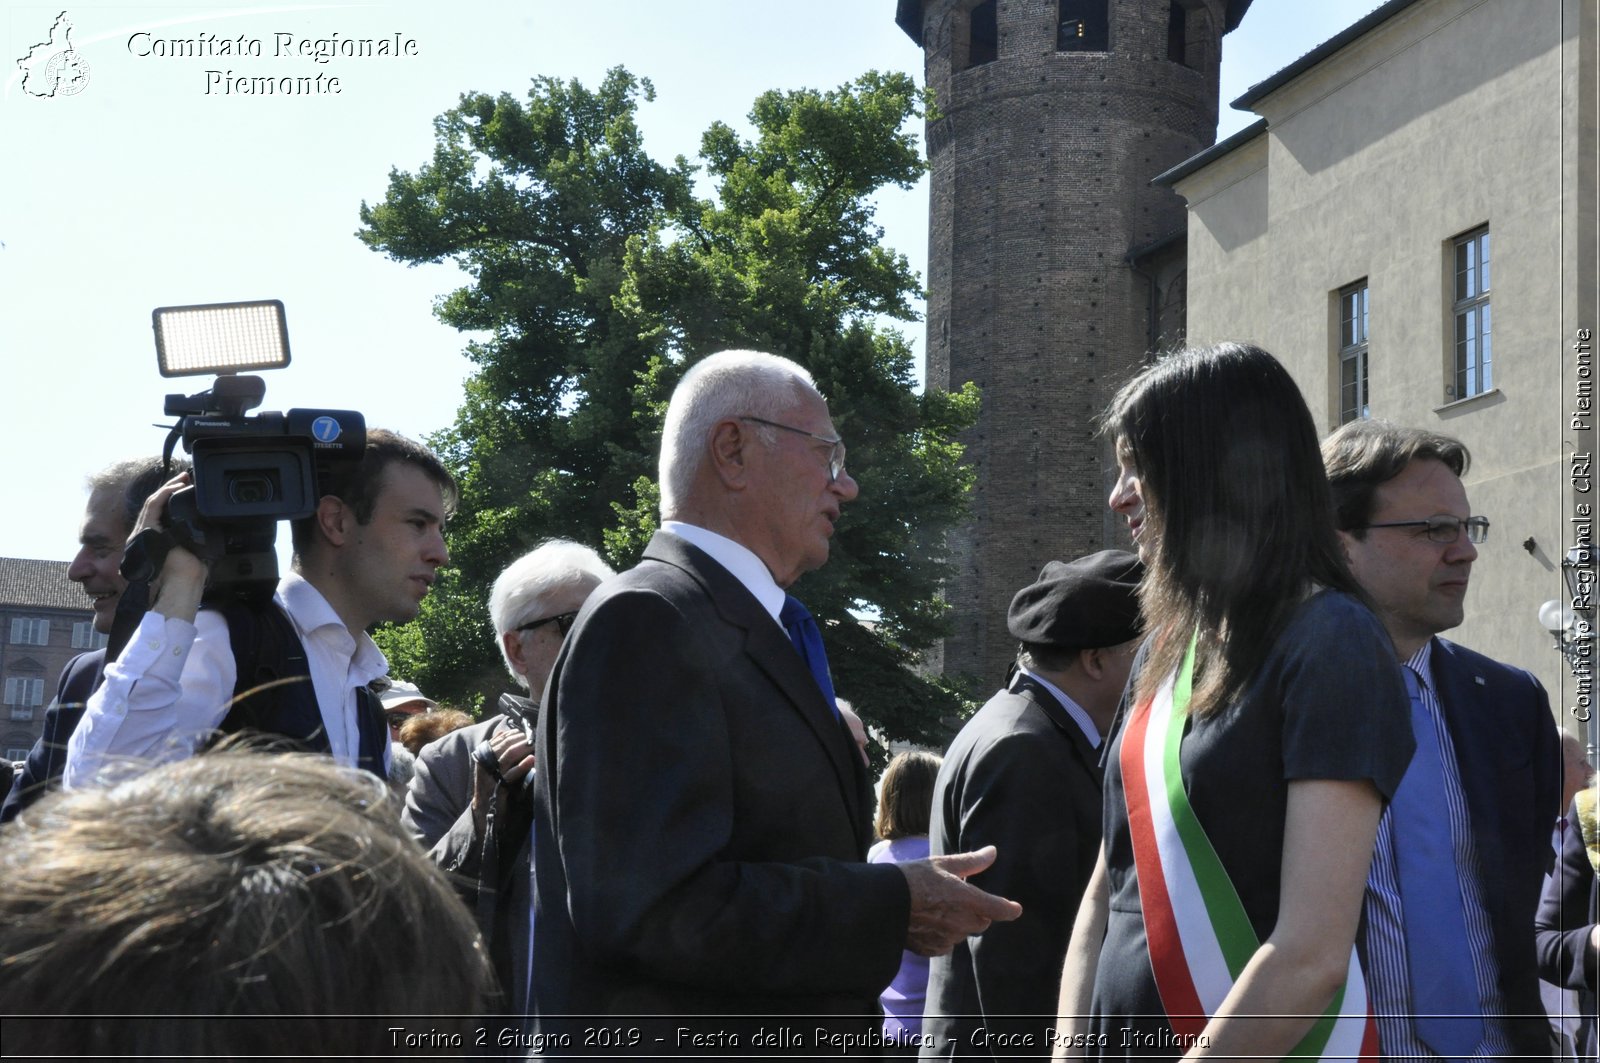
983 35
1083 26
1178 34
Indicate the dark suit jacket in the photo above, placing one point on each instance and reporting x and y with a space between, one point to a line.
701 818
1567 913
1021 776
1509 755
48 757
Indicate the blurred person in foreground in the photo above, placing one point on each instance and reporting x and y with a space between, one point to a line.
234 886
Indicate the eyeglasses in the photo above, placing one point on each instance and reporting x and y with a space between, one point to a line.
396 717
562 621
836 446
1444 529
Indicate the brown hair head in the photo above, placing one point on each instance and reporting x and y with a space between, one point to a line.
907 801
236 883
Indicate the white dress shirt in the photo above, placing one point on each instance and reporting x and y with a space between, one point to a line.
171 686
739 560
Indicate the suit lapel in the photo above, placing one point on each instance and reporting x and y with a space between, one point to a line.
1461 698
770 650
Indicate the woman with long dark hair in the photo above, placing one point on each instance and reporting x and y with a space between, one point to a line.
1265 726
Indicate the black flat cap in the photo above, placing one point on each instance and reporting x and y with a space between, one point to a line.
1080 605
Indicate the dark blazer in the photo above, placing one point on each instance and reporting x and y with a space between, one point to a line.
1020 776
1567 914
48 757
1509 755
701 819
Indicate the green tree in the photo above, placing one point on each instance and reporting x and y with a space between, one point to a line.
599 275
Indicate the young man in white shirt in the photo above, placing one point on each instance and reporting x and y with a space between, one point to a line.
367 555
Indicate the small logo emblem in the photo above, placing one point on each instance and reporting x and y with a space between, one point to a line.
54 67
326 429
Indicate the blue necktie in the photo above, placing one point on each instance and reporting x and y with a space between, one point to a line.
1444 985
807 639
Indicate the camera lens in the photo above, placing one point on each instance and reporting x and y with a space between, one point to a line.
250 488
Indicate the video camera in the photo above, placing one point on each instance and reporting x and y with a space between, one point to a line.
249 472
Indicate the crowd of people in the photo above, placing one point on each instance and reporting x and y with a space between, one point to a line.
1237 796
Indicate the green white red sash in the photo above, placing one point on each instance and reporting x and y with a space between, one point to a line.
1199 936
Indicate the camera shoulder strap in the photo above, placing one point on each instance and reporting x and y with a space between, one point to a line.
273 694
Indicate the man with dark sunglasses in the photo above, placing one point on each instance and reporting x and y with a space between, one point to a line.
1463 846
401 701
470 790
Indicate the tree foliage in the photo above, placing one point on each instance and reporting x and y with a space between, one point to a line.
598 275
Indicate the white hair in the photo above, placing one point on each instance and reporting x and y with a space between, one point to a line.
521 589
723 385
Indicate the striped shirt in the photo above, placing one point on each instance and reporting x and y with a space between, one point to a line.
1385 940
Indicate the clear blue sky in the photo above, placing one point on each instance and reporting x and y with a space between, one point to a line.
142 190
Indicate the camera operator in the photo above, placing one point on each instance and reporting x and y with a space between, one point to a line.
116 494
368 554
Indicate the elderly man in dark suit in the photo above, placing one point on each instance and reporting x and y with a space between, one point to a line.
1463 847
1024 776
701 813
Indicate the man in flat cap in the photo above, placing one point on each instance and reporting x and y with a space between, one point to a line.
1024 775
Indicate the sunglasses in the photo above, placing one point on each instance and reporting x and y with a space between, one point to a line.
562 621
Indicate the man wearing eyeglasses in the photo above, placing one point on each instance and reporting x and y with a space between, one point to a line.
702 814
1463 847
469 802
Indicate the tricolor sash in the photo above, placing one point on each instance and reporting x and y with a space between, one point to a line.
1199 936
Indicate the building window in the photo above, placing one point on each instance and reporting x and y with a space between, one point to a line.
1082 26
85 637
16 753
28 632
1474 353
1354 401
983 35
1177 33
24 693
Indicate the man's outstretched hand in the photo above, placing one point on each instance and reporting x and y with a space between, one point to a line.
944 908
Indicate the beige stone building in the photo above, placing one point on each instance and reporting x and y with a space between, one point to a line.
1410 226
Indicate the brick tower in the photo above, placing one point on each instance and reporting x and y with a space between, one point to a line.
1054 268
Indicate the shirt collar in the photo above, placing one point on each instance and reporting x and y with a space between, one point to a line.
740 562
311 613
1080 717
1421 663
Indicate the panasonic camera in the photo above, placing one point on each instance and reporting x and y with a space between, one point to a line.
250 472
